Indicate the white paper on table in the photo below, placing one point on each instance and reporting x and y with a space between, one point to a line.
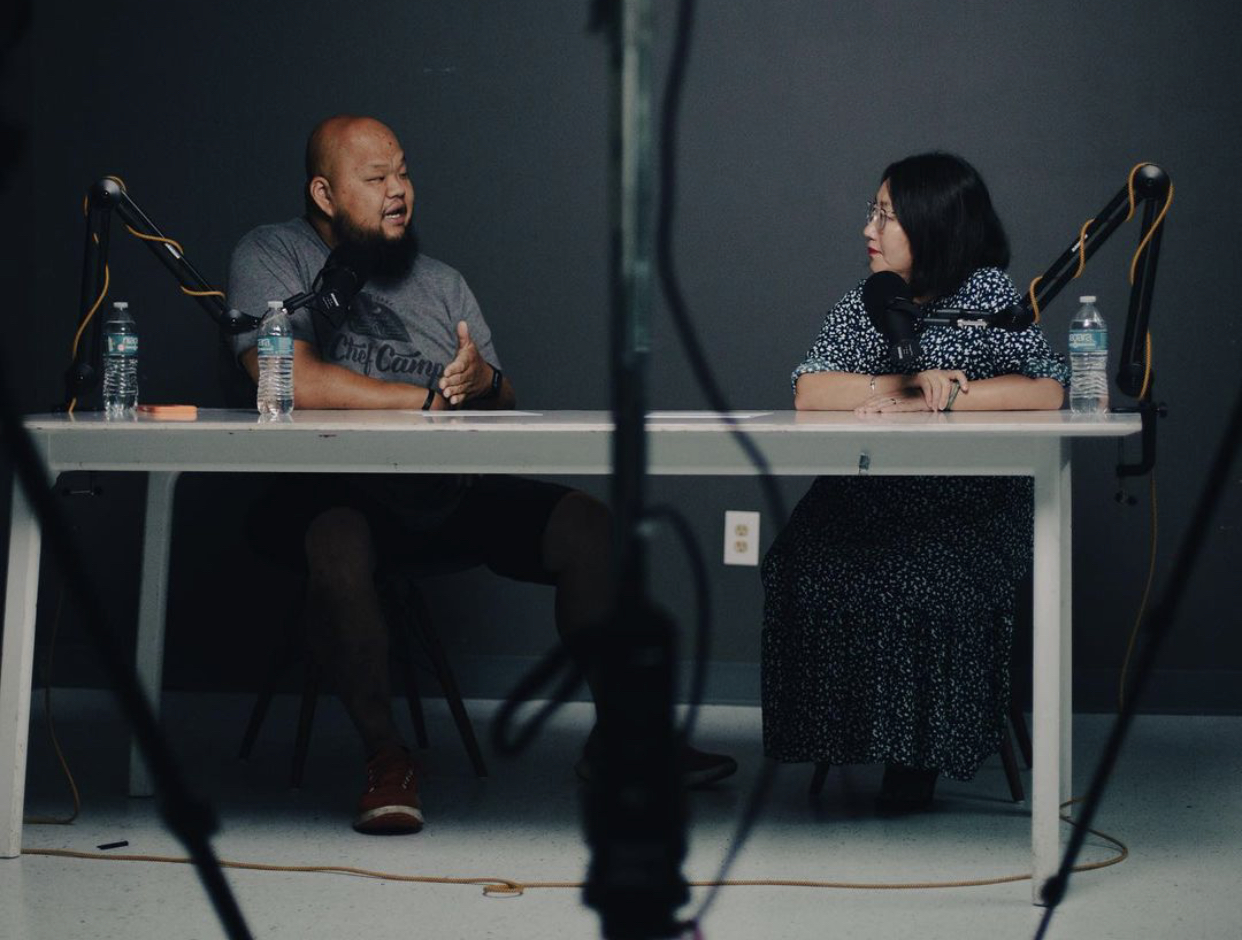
704 415
478 413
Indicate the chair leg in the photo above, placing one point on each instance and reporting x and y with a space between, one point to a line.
818 778
400 626
257 716
1024 598
1019 729
448 682
285 653
1010 763
306 715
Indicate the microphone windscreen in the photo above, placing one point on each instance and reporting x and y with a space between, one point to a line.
886 297
339 281
346 270
880 290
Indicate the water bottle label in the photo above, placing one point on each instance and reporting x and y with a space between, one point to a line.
275 345
1088 341
122 344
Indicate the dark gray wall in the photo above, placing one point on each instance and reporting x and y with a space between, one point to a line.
791 110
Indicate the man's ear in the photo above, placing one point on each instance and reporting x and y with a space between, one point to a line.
321 195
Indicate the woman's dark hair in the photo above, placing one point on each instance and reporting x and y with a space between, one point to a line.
944 208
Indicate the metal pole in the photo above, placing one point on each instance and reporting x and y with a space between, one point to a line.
635 808
633 240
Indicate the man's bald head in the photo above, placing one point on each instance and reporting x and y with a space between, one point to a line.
332 135
357 185
334 141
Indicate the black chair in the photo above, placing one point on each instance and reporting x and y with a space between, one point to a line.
406 613
408 619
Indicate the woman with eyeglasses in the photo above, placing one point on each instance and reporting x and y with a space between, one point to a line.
889 601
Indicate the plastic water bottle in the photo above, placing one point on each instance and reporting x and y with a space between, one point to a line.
275 397
120 381
1088 346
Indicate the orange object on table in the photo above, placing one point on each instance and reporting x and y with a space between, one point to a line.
170 412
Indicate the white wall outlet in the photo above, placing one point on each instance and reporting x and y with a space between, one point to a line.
741 538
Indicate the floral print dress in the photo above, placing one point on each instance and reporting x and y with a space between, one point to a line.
888 614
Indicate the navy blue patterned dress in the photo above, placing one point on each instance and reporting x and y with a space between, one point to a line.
888 614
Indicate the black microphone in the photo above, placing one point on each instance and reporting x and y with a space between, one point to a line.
340 280
334 289
892 312
336 285
900 320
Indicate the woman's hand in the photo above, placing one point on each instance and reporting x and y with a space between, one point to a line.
926 391
937 384
905 399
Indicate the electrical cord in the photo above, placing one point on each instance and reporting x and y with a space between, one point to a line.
37 820
77 337
686 333
557 662
509 887
666 267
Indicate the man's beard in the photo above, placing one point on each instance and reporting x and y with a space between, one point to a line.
388 258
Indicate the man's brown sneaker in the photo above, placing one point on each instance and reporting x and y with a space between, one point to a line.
390 804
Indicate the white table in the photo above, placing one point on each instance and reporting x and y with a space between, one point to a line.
1035 444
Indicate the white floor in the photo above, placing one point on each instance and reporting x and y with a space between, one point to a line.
1177 802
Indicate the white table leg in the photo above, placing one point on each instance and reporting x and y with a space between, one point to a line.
21 599
1048 689
1067 631
152 606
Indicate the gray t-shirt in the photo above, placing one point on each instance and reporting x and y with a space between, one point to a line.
402 330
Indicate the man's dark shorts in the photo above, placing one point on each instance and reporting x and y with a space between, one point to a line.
429 520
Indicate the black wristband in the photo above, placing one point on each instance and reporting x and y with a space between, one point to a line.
497 378
431 396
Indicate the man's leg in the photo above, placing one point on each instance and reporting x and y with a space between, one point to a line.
345 623
348 636
577 550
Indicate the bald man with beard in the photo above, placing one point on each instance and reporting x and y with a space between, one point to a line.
414 339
